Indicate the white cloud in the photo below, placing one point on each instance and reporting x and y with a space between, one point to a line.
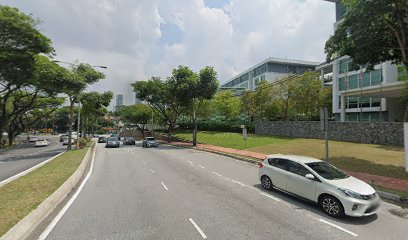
125 35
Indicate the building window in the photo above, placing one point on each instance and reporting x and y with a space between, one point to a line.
364 102
353 81
375 102
342 84
376 77
259 70
352 102
366 79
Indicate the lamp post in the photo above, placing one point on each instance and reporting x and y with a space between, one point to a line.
79 102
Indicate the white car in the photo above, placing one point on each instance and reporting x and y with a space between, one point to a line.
41 142
337 193
65 142
33 139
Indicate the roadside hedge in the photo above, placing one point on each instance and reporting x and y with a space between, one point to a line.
217 126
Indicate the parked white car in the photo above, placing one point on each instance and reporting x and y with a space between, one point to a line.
41 142
65 142
337 193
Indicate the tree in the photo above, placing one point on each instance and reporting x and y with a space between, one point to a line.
138 115
163 100
74 83
372 32
226 104
94 106
20 43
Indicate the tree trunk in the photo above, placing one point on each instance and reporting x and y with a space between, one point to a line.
71 119
169 133
194 126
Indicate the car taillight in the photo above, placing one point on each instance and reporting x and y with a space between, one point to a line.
260 165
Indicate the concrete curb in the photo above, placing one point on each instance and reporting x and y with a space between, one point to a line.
393 198
24 227
18 175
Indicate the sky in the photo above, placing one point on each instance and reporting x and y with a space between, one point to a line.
138 39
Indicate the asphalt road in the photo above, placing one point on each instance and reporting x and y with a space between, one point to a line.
26 156
173 193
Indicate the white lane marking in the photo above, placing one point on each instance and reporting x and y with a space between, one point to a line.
240 183
338 227
271 197
1 162
201 166
180 157
12 178
162 183
198 228
151 171
54 222
144 162
190 162
219 175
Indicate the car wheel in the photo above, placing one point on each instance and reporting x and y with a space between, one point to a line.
266 183
331 206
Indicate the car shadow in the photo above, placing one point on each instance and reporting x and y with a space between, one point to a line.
303 204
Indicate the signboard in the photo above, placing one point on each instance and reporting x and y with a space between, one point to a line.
244 133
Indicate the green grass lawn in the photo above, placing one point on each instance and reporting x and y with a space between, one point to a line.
231 140
20 197
366 158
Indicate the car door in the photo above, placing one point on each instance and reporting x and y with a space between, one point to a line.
298 184
278 172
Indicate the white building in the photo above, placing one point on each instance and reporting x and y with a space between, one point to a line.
361 95
269 70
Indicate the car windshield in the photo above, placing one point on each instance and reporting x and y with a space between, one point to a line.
150 139
113 139
327 171
129 138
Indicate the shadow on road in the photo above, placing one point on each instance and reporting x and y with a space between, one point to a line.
307 205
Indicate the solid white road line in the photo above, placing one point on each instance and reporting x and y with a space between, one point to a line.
240 183
271 197
144 162
338 227
198 228
201 167
54 222
219 175
151 171
162 183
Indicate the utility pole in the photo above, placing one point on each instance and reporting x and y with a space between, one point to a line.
324 126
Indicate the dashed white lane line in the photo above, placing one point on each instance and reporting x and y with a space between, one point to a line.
219 175
165 187
240 183
201 166
144 162
271 197
1 162
151 171
198 228
338 227
180 157
190 162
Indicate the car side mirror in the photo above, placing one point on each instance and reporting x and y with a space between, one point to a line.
310 176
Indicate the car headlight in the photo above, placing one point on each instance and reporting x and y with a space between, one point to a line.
350 193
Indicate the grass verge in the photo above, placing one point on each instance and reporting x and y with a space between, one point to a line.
399 193
20 197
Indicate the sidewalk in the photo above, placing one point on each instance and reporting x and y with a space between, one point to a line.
386 182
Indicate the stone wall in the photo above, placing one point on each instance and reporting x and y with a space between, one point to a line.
387 133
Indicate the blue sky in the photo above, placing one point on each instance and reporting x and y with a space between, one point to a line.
145 38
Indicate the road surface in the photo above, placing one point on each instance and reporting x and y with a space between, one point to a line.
26 156
174 193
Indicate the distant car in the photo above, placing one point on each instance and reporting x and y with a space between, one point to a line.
337 193
112 142
101 139
65 142
33 139
129 141
63 137
150 142
41 142
116 135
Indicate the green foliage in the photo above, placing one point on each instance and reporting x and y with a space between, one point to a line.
226 104
94 107
293 98
138 115
372 32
